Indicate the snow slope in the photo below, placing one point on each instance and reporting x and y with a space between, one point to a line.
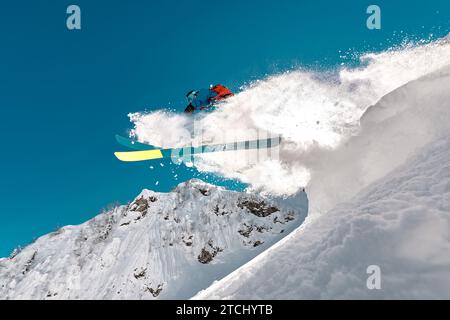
401 224
159 246
382 198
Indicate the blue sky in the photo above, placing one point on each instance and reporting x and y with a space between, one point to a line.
64 94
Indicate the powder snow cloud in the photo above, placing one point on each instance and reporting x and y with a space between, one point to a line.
399 222
313 112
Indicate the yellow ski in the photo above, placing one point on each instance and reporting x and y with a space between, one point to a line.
139 155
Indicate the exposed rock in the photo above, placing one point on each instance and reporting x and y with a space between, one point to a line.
218 211
246 231
188 241
204 192
205 256
140 205
258 208
140 274
29 263
262 229
104 233
258 243
276 220
289 217
155 292
50 295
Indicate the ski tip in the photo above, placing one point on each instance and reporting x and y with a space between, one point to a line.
119 138
134 156
119 156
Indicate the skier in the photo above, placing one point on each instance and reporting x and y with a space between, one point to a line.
206 98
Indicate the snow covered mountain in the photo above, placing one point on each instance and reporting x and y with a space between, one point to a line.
160 246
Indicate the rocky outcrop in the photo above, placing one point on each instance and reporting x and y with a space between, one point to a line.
258 208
